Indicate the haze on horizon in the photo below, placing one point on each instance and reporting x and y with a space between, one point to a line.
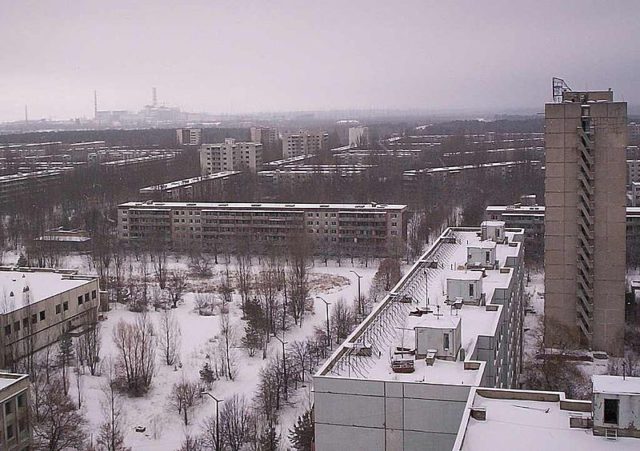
248 56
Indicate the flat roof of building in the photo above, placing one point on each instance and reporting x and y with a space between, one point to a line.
260 205
384 329
190 181
616 384
524 420
42 284
32 174
8 379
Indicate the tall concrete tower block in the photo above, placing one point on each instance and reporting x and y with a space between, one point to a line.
584 262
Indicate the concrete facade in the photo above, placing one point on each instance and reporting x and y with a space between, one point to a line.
340 228
15 421
230 156
304 143
586 138
40 305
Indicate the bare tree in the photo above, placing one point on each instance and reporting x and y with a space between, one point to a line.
157 249
300 352
342 320
169 337
298 278
136 354
235 427
227 342
111 432
176 286
57 425
199 263
243 261
204 303
88 349
184 396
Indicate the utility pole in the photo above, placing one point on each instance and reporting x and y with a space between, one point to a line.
284 365
360 306
327 304
218 401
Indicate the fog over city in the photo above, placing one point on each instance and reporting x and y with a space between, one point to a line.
249 56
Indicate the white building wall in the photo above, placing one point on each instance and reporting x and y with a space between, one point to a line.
399 415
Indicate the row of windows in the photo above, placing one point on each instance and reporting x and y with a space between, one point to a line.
42 315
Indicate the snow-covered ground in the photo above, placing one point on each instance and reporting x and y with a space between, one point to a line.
164 426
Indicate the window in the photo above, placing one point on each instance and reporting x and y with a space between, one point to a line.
58 309
25 322
445 342
8 407
21 400
42 315
16 326
86 297
79 300
7 329
34 318
10 432
611 407
487 256
471 289
65 306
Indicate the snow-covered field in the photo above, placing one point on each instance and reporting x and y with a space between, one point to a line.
163 423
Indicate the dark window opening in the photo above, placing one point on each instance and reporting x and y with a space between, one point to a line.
611 411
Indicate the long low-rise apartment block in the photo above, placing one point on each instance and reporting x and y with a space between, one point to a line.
343 228
531 219
401 380
206 187
37 306
17 186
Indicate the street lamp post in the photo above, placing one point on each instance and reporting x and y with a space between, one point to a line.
327 304
360 307
284 365
218 401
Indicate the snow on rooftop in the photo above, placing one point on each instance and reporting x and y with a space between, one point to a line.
41 285
390 325
616 384
434 321
8 379
516 424
263 205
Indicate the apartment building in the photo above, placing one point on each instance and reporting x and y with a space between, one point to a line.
585 141
345 228
402 379
141 164
359 137
37 306
633 171
206 187
15 432
17 186
304 143
264 135
304 173
514 420
230 156
189 136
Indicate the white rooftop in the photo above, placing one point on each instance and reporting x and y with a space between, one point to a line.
616 384
8 379
390 325
41 285
516 424
258 205
190 181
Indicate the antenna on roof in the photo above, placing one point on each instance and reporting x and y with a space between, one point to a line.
558 86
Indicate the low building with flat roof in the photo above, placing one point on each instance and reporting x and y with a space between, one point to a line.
401 380
514 420
38 306
206 187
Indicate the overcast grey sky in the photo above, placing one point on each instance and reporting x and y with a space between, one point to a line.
246 56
